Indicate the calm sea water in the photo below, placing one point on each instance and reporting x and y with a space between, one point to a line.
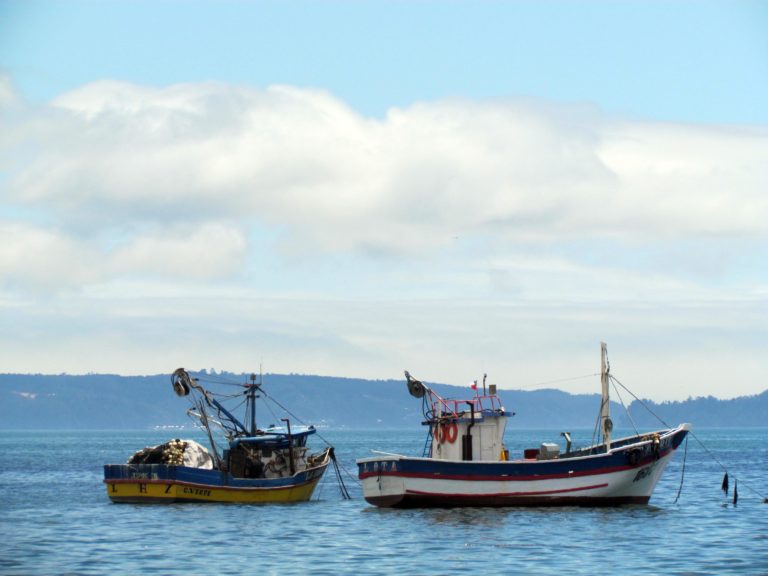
55 518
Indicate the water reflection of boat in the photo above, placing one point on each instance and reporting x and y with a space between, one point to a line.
466 463
255 465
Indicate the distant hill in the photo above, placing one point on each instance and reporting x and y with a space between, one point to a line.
108 401
705 411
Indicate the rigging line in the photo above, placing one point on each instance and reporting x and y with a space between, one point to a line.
594 432
598 432
625 409
269 407
682 474
691 432
228 396
638 399
316 432
562 380
292 415
226 422
218 381
426 409
239 404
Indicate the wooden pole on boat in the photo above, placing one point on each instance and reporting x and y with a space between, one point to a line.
605 407
252 403
292 466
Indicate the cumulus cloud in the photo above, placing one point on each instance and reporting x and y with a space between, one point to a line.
680 180
170 181
510 229
8 96
45 259
40 259
302 161
185 252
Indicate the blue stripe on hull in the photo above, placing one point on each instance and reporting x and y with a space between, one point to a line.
199 476
514 470
504 471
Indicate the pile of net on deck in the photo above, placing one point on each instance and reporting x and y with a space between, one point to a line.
175 452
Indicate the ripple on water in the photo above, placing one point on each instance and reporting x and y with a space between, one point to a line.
58 520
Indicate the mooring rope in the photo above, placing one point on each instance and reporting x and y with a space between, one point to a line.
342 487
682 474
735 479
692 433
337 464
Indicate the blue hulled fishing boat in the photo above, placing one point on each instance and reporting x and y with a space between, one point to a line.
246 464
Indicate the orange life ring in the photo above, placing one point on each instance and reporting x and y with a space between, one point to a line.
450 432
439 434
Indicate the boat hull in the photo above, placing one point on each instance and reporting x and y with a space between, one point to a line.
626 475
159 483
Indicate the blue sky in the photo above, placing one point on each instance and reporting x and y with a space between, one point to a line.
354 188
680 61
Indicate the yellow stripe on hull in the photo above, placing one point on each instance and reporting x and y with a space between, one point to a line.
171 491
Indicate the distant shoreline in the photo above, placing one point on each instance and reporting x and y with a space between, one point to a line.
108 401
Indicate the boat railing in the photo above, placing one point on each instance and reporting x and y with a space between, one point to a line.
451 408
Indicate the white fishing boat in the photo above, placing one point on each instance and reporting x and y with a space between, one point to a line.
467 464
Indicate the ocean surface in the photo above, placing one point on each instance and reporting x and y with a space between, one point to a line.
55 518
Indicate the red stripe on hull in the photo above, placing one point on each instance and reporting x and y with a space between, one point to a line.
496 478
505 478
509 494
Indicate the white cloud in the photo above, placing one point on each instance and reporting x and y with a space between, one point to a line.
514 236
332 180
184 252
8 96
682 180
43 259
659 351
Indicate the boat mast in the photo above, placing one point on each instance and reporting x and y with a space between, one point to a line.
252 403
605 407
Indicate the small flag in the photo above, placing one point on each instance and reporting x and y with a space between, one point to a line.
735 492
725 484
473 385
